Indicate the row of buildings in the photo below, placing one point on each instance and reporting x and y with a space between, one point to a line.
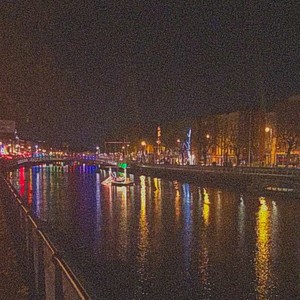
253 138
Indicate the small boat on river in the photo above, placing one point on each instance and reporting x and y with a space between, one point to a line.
118 178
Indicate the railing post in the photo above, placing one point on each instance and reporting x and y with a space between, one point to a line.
30 257
39 268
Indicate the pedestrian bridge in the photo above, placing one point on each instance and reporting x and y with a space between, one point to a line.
15 163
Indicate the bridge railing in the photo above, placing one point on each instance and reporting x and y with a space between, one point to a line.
49 275
14 163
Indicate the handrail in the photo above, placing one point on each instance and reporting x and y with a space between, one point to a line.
233 170
60 262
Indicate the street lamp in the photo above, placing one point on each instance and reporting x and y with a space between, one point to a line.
143 144
268 129
271 147
207 146
123 152
180 159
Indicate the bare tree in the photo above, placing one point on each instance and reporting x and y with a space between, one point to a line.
288 126
206 137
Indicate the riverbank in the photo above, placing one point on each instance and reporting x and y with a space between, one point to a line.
12 282
251 179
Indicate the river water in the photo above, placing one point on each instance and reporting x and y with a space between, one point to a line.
166 239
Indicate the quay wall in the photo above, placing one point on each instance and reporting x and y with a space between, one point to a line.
251 179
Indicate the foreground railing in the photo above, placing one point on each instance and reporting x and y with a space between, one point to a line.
49 276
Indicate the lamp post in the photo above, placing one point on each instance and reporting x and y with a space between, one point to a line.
206 149
179 151
123 152
127 151
158 150
143 144
271 145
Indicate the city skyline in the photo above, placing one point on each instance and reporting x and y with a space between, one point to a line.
84 73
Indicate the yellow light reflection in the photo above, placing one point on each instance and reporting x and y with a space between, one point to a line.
204 253
157 203
262 257
143 243
143 227
206 204
157 193
123 232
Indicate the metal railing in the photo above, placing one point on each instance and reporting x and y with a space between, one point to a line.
14 163
221 169
49 276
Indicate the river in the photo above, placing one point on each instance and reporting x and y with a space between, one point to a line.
166 239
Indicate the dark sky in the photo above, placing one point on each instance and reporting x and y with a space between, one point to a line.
83 71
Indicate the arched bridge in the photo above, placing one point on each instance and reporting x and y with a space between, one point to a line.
15 163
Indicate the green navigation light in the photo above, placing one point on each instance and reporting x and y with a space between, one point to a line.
122 165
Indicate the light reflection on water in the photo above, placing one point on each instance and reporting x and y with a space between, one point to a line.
262 257
163 239
143 242
204 254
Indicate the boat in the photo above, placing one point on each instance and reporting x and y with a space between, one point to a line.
118 179
279 189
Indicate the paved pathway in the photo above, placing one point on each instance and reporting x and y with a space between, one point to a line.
12 284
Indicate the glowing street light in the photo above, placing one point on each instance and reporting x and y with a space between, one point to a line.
143 144
268 129
271 145
123 152
97 151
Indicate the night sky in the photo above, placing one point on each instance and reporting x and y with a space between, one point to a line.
85 71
